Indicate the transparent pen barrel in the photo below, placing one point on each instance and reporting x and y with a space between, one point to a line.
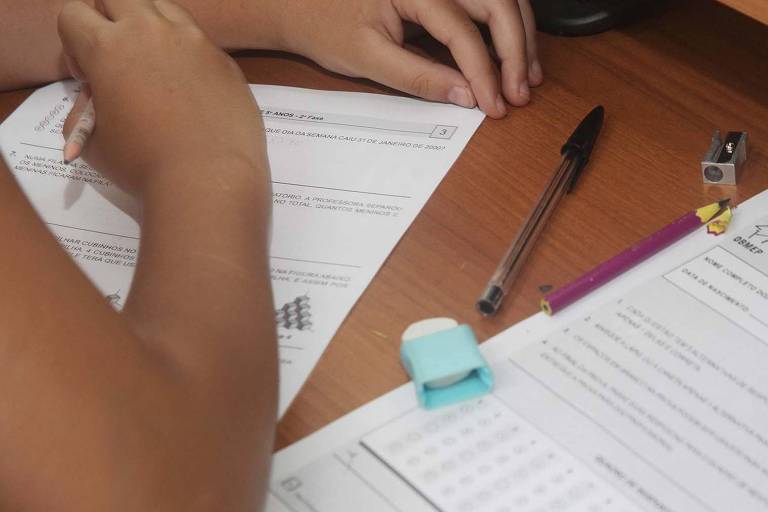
534 223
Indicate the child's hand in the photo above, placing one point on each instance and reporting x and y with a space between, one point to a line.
164 95
364 38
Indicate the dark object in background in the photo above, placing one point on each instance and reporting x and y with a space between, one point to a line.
585 17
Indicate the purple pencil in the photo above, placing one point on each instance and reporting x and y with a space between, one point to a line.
628 258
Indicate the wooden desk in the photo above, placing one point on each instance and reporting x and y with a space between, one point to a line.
666 83
755 8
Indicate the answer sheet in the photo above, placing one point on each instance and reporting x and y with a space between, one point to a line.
656 400
350 172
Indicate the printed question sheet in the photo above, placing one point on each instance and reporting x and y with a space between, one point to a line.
350 172
654 400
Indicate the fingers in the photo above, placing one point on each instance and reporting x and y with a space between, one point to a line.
508 33
174 12
78 23
402 69
74 69
117 9
535 73
450 24
505 20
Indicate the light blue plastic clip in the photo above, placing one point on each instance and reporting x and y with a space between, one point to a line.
444 362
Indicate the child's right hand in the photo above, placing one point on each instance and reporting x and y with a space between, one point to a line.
164 95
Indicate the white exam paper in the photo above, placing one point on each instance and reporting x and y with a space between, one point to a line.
350 172
652 400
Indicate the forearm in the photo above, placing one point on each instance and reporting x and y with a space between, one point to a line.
202 289
31 52
72 375
169 405
101 411
202 281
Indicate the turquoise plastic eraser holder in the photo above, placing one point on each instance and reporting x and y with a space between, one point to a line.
432 359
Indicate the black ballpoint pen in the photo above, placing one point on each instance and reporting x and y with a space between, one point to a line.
575 152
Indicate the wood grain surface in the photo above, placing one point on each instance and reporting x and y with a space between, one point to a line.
758 9
666 82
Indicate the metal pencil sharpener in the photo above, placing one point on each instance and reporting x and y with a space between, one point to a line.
725 158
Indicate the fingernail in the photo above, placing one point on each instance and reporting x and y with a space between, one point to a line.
523 90
461 96
501 105
536 69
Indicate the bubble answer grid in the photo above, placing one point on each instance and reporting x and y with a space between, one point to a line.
481 456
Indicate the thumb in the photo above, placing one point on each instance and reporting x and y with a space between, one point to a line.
74 68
